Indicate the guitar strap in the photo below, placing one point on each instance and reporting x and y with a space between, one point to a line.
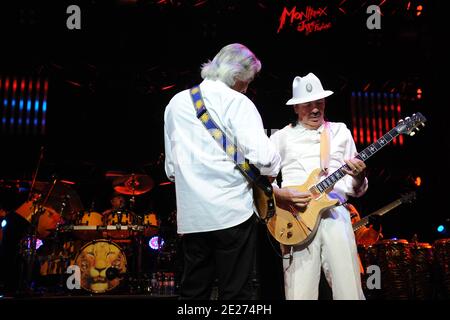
226 143
325 148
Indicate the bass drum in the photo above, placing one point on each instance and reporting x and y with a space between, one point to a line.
102 265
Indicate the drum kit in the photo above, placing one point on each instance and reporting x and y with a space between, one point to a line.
102 245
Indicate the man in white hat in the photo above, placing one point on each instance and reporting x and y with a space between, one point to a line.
307 144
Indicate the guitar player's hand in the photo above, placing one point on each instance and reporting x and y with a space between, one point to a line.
289 198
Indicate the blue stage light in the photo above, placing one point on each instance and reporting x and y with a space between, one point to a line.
155 243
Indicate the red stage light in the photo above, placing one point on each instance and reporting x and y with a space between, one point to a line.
419 9
419 93
418 181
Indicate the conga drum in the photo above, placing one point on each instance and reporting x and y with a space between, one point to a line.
421 270
393 257
441 251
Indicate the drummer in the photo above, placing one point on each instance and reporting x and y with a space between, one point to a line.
118 202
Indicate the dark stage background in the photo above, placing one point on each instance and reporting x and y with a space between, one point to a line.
108 85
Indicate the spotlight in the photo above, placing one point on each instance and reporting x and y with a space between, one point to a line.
4 223
39 243
440 228
29 241
155 243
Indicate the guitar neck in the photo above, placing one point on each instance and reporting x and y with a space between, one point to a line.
364 221
368 152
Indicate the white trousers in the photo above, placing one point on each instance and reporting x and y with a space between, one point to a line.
334 249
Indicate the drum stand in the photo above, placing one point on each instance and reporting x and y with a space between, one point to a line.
25 285
28 254
137 284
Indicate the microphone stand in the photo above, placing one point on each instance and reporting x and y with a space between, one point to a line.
28 247
41 156
138 238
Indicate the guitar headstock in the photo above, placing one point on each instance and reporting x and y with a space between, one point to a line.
409 124
408 197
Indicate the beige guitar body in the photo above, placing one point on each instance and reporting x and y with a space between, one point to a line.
299 227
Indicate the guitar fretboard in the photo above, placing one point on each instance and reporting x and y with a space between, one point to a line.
363 155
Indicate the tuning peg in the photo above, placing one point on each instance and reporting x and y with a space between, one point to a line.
412 133
407 118
400 121
423 124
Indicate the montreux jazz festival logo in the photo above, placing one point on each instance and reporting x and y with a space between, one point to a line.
306 20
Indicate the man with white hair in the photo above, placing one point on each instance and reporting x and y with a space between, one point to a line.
214 200
306 144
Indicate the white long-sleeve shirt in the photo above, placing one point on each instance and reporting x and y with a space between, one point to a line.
299 148
211 193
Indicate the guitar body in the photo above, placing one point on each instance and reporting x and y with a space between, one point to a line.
299 227
262 202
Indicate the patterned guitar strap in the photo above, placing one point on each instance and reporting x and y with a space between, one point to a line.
226 143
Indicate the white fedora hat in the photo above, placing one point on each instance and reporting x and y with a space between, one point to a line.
307 89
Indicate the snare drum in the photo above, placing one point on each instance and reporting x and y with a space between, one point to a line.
102 265
151 224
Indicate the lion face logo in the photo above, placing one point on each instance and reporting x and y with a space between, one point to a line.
94 260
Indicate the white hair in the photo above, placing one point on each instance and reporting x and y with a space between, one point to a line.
233 62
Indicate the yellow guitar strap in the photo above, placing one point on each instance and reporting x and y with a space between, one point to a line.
325 148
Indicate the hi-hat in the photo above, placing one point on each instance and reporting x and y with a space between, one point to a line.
133 184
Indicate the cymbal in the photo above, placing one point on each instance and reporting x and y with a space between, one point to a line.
62 198
133 184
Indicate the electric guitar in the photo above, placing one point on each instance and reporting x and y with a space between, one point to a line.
298 227
407 198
